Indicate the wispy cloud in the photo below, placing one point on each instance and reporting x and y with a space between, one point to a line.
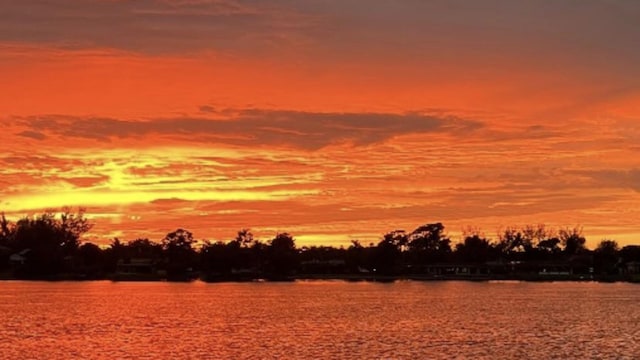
150 26
258 127
32 134
626 179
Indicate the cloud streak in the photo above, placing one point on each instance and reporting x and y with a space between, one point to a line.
306 130
159 26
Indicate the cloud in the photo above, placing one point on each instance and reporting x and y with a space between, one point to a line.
306 130
592 32
149 26
207 109
86 181
32 134
627 179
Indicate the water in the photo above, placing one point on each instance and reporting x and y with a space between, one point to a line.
327 320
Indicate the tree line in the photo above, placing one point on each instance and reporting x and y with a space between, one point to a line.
50 246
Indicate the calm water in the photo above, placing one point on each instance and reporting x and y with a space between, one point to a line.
403 320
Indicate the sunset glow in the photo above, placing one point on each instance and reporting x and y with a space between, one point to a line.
331 120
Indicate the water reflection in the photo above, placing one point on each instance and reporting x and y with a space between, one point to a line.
323 319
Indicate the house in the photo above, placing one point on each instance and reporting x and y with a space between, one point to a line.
631 267
454 271
137 269
135 266
20 258
316 266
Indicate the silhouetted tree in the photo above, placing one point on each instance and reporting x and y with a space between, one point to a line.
549 246
534 234
90 261
117 246
322 260
238 253
258 255
115 251
72 227
244 238
6 236
50 246
216 263
142 248
48 243
387 256
528 243
513 241
428 244
606 257
358 257
282 256
630 253
6 231
178 246
572 240
474 249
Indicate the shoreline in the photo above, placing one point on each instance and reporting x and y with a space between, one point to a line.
346 278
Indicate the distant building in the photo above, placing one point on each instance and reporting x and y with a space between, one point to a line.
135 266
20 258
316 266
632 267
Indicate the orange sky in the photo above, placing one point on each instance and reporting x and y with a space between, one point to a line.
332 120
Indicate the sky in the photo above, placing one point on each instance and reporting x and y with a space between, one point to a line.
333 120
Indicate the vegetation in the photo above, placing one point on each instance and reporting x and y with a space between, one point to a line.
48 246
